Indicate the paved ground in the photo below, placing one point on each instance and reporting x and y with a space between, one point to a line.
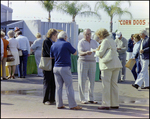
22 98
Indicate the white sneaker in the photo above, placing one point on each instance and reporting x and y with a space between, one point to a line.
84 102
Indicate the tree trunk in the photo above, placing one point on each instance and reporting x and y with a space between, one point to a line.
49 17
73 19
111 25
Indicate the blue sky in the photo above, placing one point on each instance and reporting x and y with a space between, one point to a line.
32 10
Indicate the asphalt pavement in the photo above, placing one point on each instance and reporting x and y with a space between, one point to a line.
22 98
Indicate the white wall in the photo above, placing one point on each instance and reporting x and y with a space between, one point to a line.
4 16
31 28
135 26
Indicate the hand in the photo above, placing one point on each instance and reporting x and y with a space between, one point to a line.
88 52
118 48
141 51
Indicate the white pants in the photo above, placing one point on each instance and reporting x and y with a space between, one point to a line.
129 54
86 70
37 59
143 75
110 93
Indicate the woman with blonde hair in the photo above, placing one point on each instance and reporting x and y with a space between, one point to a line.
13 46
5 42
49 81
36 47
109 71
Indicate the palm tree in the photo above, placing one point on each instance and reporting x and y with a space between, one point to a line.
75 8
112 10
49 6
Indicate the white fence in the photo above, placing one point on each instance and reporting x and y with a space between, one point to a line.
31 27
70 28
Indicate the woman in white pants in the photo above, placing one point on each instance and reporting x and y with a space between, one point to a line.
37 48
109 71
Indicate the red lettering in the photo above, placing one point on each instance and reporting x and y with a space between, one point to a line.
137 22
134 22
140 22
129 22
143 22
126 22
120 22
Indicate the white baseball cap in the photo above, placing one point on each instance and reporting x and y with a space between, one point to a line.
118 34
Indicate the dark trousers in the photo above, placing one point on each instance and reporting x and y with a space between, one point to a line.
48 86
136 69
22 67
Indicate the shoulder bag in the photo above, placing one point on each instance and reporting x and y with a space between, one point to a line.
45 63
108 56
130 63
10 57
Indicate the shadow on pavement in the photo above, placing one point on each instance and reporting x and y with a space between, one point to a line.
6 104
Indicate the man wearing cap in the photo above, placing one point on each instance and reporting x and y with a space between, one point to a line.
144 61
122 46
16 29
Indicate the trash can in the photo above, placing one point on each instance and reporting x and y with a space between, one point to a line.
6 70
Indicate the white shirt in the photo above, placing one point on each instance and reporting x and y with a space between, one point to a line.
23 43
2 49
84 46
141 45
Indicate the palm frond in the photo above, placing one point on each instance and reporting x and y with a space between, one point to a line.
90 13
48 5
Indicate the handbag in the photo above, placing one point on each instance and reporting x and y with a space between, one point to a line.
10 57
46 63
108 56
20 52
130 63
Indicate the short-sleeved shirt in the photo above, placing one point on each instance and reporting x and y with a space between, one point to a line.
61 51
84 46
123 44
37 44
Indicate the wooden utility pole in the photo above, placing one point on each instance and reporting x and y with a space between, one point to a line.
8 3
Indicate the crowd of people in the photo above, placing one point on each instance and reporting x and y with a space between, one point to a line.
55 46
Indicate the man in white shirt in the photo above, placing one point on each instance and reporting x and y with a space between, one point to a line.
25 47
86 66
2 49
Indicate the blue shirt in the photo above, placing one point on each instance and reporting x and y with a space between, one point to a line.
136 49
130 45
61 51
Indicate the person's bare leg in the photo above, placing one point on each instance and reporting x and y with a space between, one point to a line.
9 71
13 71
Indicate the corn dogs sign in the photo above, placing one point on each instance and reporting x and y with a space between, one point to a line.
133 22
